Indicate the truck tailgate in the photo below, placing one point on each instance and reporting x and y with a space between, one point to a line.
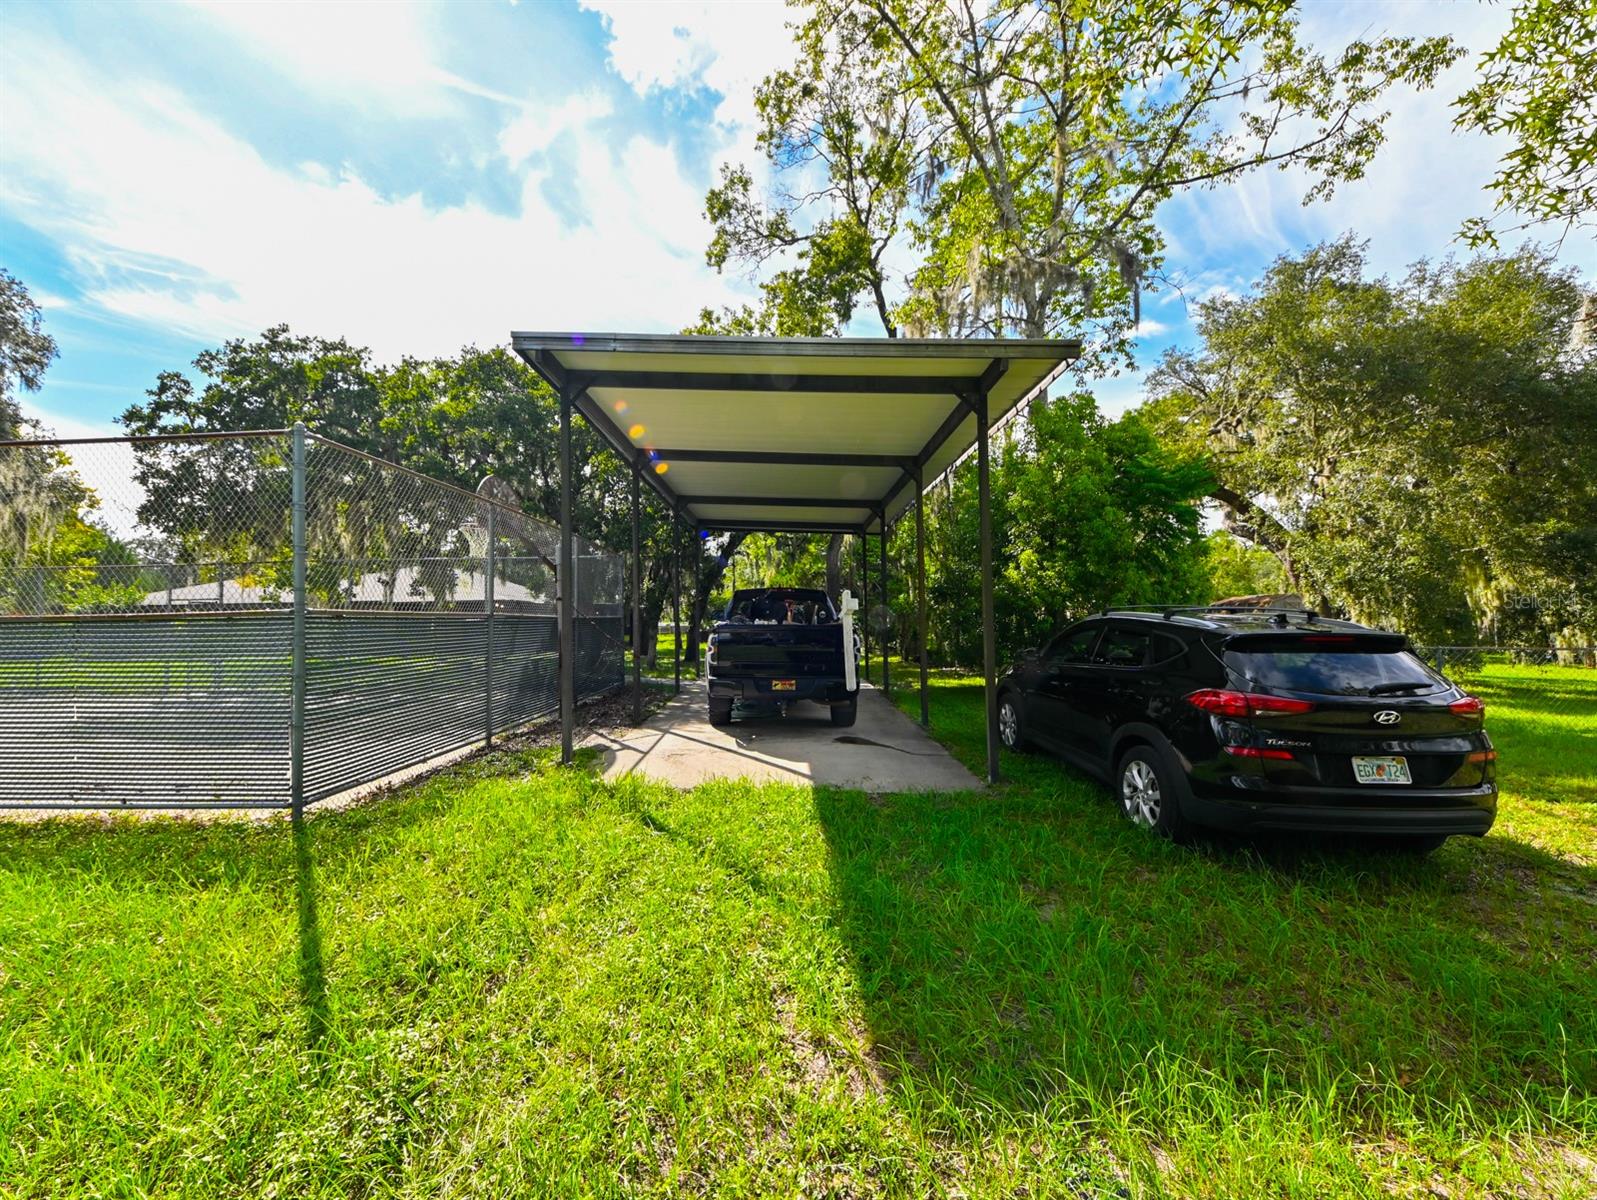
779 650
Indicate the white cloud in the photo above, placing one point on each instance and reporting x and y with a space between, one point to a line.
728 47
1148 327
1425 180
538 126
169 218
376 54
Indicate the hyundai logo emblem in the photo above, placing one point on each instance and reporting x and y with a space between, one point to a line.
1388 716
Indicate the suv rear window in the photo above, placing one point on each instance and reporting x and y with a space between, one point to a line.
1335 672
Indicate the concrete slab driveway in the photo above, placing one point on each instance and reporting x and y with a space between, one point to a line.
884 751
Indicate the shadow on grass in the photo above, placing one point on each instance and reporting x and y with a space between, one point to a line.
1024 946
1007 954
312 976
282 861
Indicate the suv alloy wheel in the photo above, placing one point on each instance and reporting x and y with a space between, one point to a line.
1147 789
1009 727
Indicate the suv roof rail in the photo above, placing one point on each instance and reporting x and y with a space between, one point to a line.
1171 610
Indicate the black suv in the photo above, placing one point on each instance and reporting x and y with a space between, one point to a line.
1250 719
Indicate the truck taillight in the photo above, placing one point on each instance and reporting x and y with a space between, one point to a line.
1226 703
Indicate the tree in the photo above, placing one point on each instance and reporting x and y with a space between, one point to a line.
1015 153
1538 87
52 554
26 350
1022 147
1418 453
1087 513
453 419
1238 568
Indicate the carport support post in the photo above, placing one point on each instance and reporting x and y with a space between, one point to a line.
637 600
887 681
567 584
676 594
989 635
296 712
865 599
920 592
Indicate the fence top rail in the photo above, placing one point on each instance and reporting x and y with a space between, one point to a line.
1520 649
466 493
265 612
205 436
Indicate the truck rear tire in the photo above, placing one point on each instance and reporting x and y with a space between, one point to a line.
720 711
843 714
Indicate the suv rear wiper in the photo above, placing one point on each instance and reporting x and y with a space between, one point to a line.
1387 689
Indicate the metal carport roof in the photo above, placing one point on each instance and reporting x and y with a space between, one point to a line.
808 435
801 434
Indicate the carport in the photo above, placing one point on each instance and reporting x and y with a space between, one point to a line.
789 435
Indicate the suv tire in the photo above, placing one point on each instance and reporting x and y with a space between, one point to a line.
720 711
1011 725
1148 788
844 714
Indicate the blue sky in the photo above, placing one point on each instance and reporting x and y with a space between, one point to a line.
417 179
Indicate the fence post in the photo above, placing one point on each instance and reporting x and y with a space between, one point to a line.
1441 660
488 626
296 729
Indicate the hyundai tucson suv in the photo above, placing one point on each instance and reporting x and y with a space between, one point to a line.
1248 719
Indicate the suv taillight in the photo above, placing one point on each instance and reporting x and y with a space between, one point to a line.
1226 703
1469 706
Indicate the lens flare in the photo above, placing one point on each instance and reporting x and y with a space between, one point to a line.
621 406
660 468
635 432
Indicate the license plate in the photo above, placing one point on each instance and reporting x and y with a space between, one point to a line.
1381 770
783 685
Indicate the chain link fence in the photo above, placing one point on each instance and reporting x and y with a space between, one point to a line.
1472 660
1541 706
152 653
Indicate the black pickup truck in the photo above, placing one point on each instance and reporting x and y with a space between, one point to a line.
773 646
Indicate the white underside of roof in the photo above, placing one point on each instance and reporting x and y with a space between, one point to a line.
780 417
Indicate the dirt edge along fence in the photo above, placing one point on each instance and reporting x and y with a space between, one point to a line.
264 620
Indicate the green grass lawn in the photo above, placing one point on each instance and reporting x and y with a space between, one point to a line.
514 979
665 658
